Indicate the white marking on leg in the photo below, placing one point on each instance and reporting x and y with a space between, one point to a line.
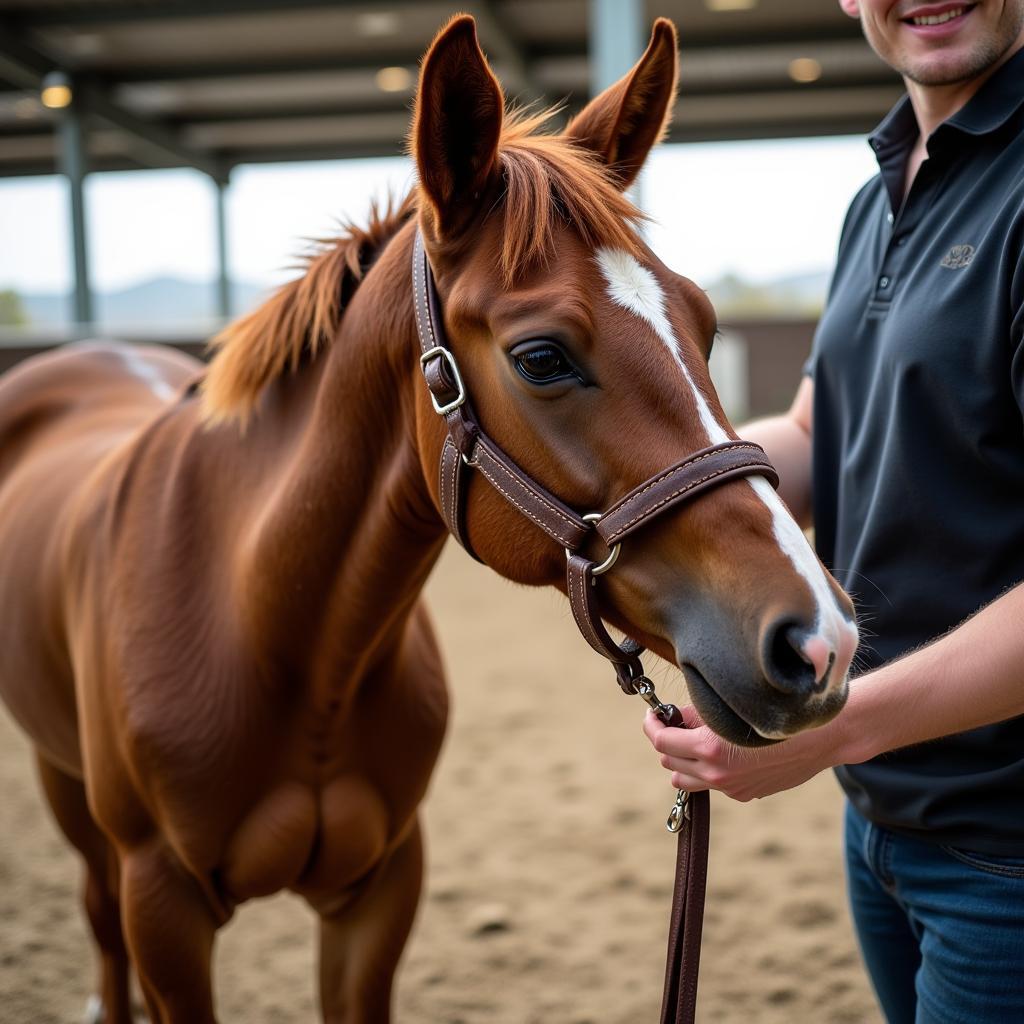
635 288
138 367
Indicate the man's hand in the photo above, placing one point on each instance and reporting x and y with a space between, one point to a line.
700 759
968 678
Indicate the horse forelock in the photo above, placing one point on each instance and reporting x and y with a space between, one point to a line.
550 180
298 318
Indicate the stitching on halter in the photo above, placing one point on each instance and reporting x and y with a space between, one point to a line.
508 476
669 497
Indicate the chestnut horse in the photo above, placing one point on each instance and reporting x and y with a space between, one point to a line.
211 589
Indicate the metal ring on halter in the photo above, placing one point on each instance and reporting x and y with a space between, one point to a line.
593 517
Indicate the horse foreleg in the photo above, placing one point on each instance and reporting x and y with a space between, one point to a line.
170 926
66 796
361 943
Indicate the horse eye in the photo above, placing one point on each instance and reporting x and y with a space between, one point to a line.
543 363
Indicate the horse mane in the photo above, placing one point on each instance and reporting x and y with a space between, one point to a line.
548 180
298 318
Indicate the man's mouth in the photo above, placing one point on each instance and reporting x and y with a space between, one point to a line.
937 14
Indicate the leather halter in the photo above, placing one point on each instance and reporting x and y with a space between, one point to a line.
468 447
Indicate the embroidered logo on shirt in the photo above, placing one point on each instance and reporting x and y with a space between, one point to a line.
958 257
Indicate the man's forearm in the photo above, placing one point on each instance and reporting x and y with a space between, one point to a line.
972 676
788 446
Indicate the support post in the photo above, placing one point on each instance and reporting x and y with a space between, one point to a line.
72 136
616 42
223 275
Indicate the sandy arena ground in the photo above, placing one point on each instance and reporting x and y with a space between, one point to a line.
549 866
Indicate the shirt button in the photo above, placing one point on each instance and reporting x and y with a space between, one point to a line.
889 217
902 240
883 283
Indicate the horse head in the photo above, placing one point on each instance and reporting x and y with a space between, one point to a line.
585 357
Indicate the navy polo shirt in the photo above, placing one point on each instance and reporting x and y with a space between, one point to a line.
918 367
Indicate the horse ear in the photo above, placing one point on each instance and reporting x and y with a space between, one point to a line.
457 123
624 122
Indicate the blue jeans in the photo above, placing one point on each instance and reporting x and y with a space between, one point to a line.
941 929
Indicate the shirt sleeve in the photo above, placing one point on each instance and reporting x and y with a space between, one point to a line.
1017 334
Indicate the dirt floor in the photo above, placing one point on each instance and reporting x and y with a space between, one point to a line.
549 866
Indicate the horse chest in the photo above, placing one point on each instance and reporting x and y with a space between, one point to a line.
315 840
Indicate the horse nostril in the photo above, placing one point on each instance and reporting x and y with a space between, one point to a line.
785 662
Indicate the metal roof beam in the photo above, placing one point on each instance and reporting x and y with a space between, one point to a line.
97 14
368 62
156 144
19 58
372 61
498 42
20 65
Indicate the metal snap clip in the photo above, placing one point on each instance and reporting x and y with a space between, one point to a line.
680 811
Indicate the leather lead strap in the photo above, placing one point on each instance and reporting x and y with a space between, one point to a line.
679 1002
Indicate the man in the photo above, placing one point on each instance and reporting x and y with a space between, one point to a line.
915 392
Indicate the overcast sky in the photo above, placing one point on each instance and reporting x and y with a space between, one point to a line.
759 209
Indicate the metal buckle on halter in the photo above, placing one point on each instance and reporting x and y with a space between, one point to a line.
613 554
440 352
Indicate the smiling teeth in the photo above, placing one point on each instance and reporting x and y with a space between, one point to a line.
939 19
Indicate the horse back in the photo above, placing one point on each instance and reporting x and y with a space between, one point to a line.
63 417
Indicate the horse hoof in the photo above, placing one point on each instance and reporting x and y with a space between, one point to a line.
94 1012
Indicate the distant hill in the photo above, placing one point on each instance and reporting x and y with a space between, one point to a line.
170 301
161 301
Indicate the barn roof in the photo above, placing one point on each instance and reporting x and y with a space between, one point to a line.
215 83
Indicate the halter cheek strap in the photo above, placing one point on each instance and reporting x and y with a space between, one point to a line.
468 447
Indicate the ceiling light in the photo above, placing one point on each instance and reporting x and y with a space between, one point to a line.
378 23
730 5
56 90
804 69
394 79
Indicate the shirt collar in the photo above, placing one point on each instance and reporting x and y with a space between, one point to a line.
995 102
897 131
986 111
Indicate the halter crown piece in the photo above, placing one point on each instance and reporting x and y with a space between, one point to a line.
468 447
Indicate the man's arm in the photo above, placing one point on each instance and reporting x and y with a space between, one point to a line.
970 677
787 440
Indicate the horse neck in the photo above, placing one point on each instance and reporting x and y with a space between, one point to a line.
350 533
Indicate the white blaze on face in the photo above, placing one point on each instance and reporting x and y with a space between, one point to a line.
635 288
